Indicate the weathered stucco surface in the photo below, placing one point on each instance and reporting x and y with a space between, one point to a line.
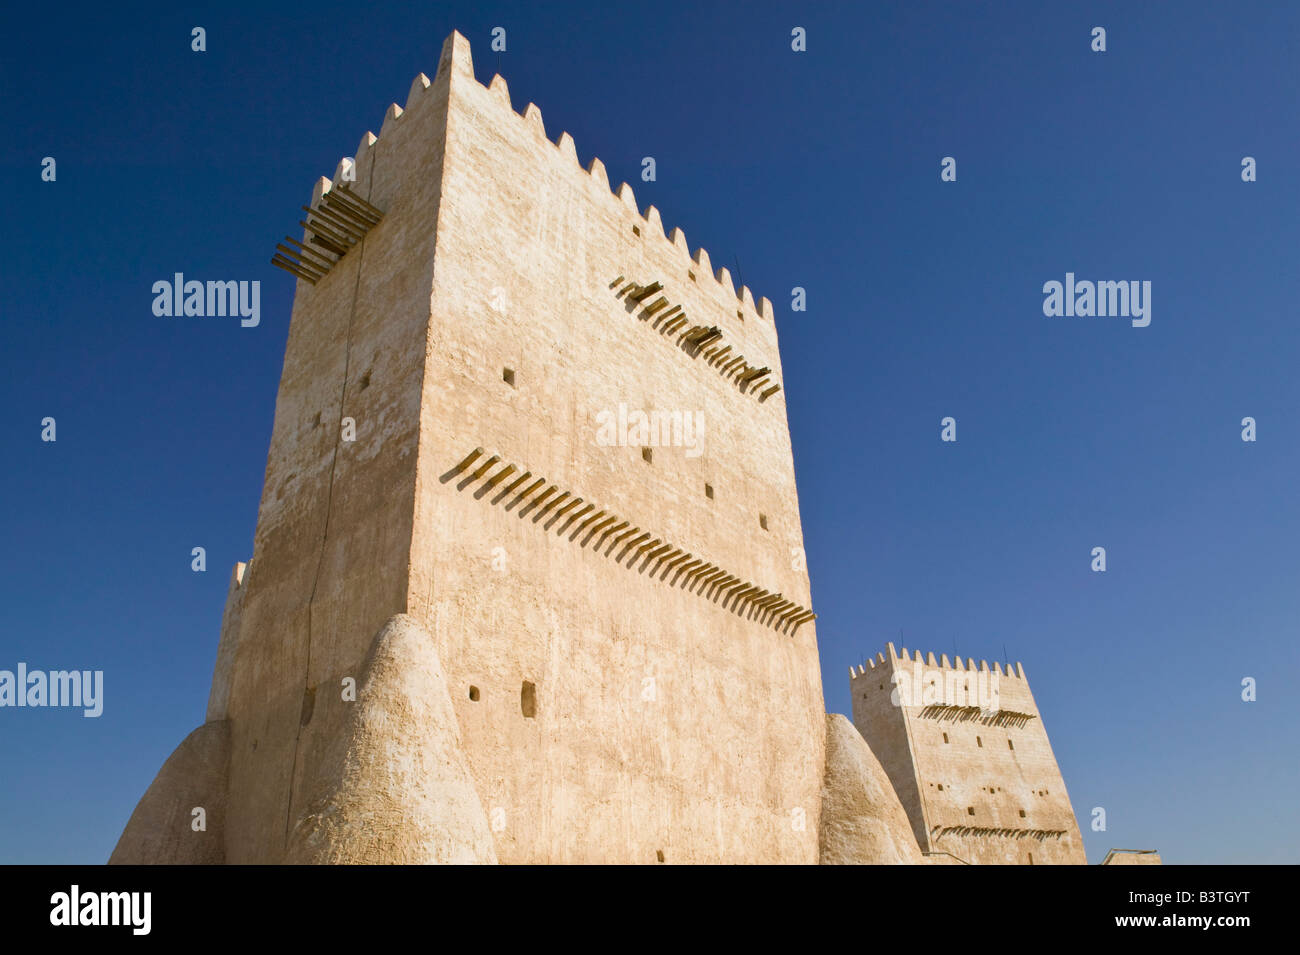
161 829
394 788
863 823
610 708
665 722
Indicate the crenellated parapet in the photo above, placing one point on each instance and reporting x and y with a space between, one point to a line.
896 659
456 61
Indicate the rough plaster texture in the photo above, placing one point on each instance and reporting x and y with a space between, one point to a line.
394 787
161 829
665 723
614 715
1000 765
863 823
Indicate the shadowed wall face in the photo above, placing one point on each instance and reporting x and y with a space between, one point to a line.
332 548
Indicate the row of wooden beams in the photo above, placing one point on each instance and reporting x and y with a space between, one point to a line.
348 230
296 269
308 255
671 319
325 237
336 223
343 200
706 579
646 291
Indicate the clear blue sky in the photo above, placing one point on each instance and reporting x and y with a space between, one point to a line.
819 170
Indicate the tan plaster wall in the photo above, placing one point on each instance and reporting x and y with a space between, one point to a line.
877 719
975 766
332 547
161 830
724 762
863 823
663 723
393 788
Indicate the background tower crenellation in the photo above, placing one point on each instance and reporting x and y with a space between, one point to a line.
932 662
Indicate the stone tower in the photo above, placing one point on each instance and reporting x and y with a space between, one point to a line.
527 579
969 757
